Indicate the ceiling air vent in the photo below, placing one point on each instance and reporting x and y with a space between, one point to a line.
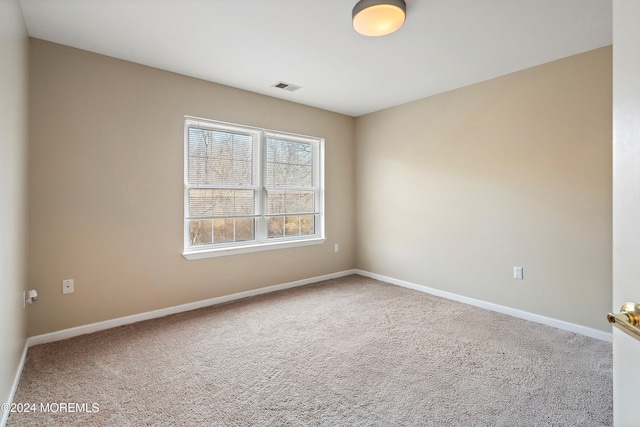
286 86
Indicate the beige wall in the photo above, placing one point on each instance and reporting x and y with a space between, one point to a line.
451 191
13 143
106 188
456 189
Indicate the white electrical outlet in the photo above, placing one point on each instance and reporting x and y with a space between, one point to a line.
67 286
336 248
518 273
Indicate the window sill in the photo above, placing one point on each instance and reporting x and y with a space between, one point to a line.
194 254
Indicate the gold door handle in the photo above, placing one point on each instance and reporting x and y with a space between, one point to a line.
628 320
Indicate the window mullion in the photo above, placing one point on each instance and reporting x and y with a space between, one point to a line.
262 219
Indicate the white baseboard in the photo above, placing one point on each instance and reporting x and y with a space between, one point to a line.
537 318
108 324
4 416
100 326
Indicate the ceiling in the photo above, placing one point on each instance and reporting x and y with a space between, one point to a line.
253 44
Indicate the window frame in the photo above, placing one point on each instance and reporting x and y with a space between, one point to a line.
261 242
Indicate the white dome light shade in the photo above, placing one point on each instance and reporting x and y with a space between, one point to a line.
378 17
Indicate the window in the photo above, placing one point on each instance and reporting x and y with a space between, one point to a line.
249 189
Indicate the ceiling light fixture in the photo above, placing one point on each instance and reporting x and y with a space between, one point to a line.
378 17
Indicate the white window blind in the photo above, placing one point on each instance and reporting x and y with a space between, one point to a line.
249 187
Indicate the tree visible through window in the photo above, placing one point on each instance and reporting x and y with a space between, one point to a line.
247 186
289 178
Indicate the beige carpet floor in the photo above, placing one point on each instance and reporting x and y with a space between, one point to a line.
345 352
